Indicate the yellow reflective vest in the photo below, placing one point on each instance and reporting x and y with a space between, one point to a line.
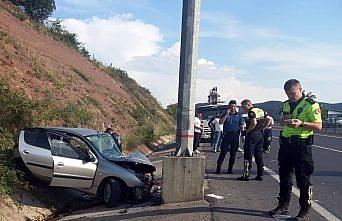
308 111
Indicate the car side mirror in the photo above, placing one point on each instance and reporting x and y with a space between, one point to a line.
88 157
91 157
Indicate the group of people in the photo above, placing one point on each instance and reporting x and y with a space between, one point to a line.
255 130
301 116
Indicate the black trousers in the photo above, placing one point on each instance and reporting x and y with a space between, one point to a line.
295 157
197 140
230 142
253 146
267 139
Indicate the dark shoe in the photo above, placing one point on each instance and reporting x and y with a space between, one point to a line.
218 168
259 178
267 149
303 215
230 169
281 209
243 178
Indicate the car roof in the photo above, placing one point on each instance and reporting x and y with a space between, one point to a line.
77 131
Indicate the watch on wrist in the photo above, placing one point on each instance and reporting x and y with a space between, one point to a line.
302 124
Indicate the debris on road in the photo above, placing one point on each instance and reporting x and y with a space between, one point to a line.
215 196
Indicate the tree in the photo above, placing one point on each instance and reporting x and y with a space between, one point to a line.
38 10
172 110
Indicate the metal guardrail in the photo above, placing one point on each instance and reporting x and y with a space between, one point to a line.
328 128
332 128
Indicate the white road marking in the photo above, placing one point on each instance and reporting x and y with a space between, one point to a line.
324 148
316 206
324 135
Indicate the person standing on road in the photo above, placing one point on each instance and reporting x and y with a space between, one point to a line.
254 140
198 129
232 122
212 130
218 128
301 116
267 131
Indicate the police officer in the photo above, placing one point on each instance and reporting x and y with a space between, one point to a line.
300 117
254 140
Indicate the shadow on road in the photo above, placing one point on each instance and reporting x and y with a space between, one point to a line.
165 212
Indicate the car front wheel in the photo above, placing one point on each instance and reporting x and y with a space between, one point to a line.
112 193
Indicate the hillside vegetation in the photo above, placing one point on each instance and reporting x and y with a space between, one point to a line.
47 78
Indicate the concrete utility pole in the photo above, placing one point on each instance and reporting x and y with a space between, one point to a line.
187 77
183 174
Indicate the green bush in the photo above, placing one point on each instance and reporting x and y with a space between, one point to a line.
130 142
74 115
9 181
80 73
15 11
161 129
146 133
60 33
38 10
16 110
172 110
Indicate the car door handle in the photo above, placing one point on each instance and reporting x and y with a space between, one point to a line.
60 164
26 152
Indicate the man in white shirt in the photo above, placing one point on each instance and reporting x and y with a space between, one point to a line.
218 132
267 132
198 128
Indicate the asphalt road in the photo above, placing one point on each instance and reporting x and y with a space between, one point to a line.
235 200
251 200
327 177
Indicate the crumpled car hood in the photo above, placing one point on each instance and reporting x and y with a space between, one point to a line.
137 162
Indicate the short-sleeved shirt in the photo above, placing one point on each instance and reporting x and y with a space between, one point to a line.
271 122
218 126
260 115
233 122
197 123
306 110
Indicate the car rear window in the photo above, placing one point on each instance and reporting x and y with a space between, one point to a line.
37 138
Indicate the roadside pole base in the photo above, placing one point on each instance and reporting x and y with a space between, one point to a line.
183 179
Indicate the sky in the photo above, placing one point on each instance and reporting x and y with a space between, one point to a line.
247 49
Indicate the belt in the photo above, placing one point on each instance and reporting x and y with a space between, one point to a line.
232 131
297 139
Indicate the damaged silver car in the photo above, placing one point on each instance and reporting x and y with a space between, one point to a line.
87 160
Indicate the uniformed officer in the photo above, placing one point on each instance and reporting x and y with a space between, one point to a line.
300 117
254 140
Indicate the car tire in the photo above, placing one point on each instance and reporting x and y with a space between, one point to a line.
112 192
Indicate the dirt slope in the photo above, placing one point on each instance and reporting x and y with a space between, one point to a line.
41 68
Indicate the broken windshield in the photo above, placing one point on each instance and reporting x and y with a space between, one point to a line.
105 144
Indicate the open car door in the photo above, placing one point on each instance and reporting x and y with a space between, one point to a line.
34 149
73 163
